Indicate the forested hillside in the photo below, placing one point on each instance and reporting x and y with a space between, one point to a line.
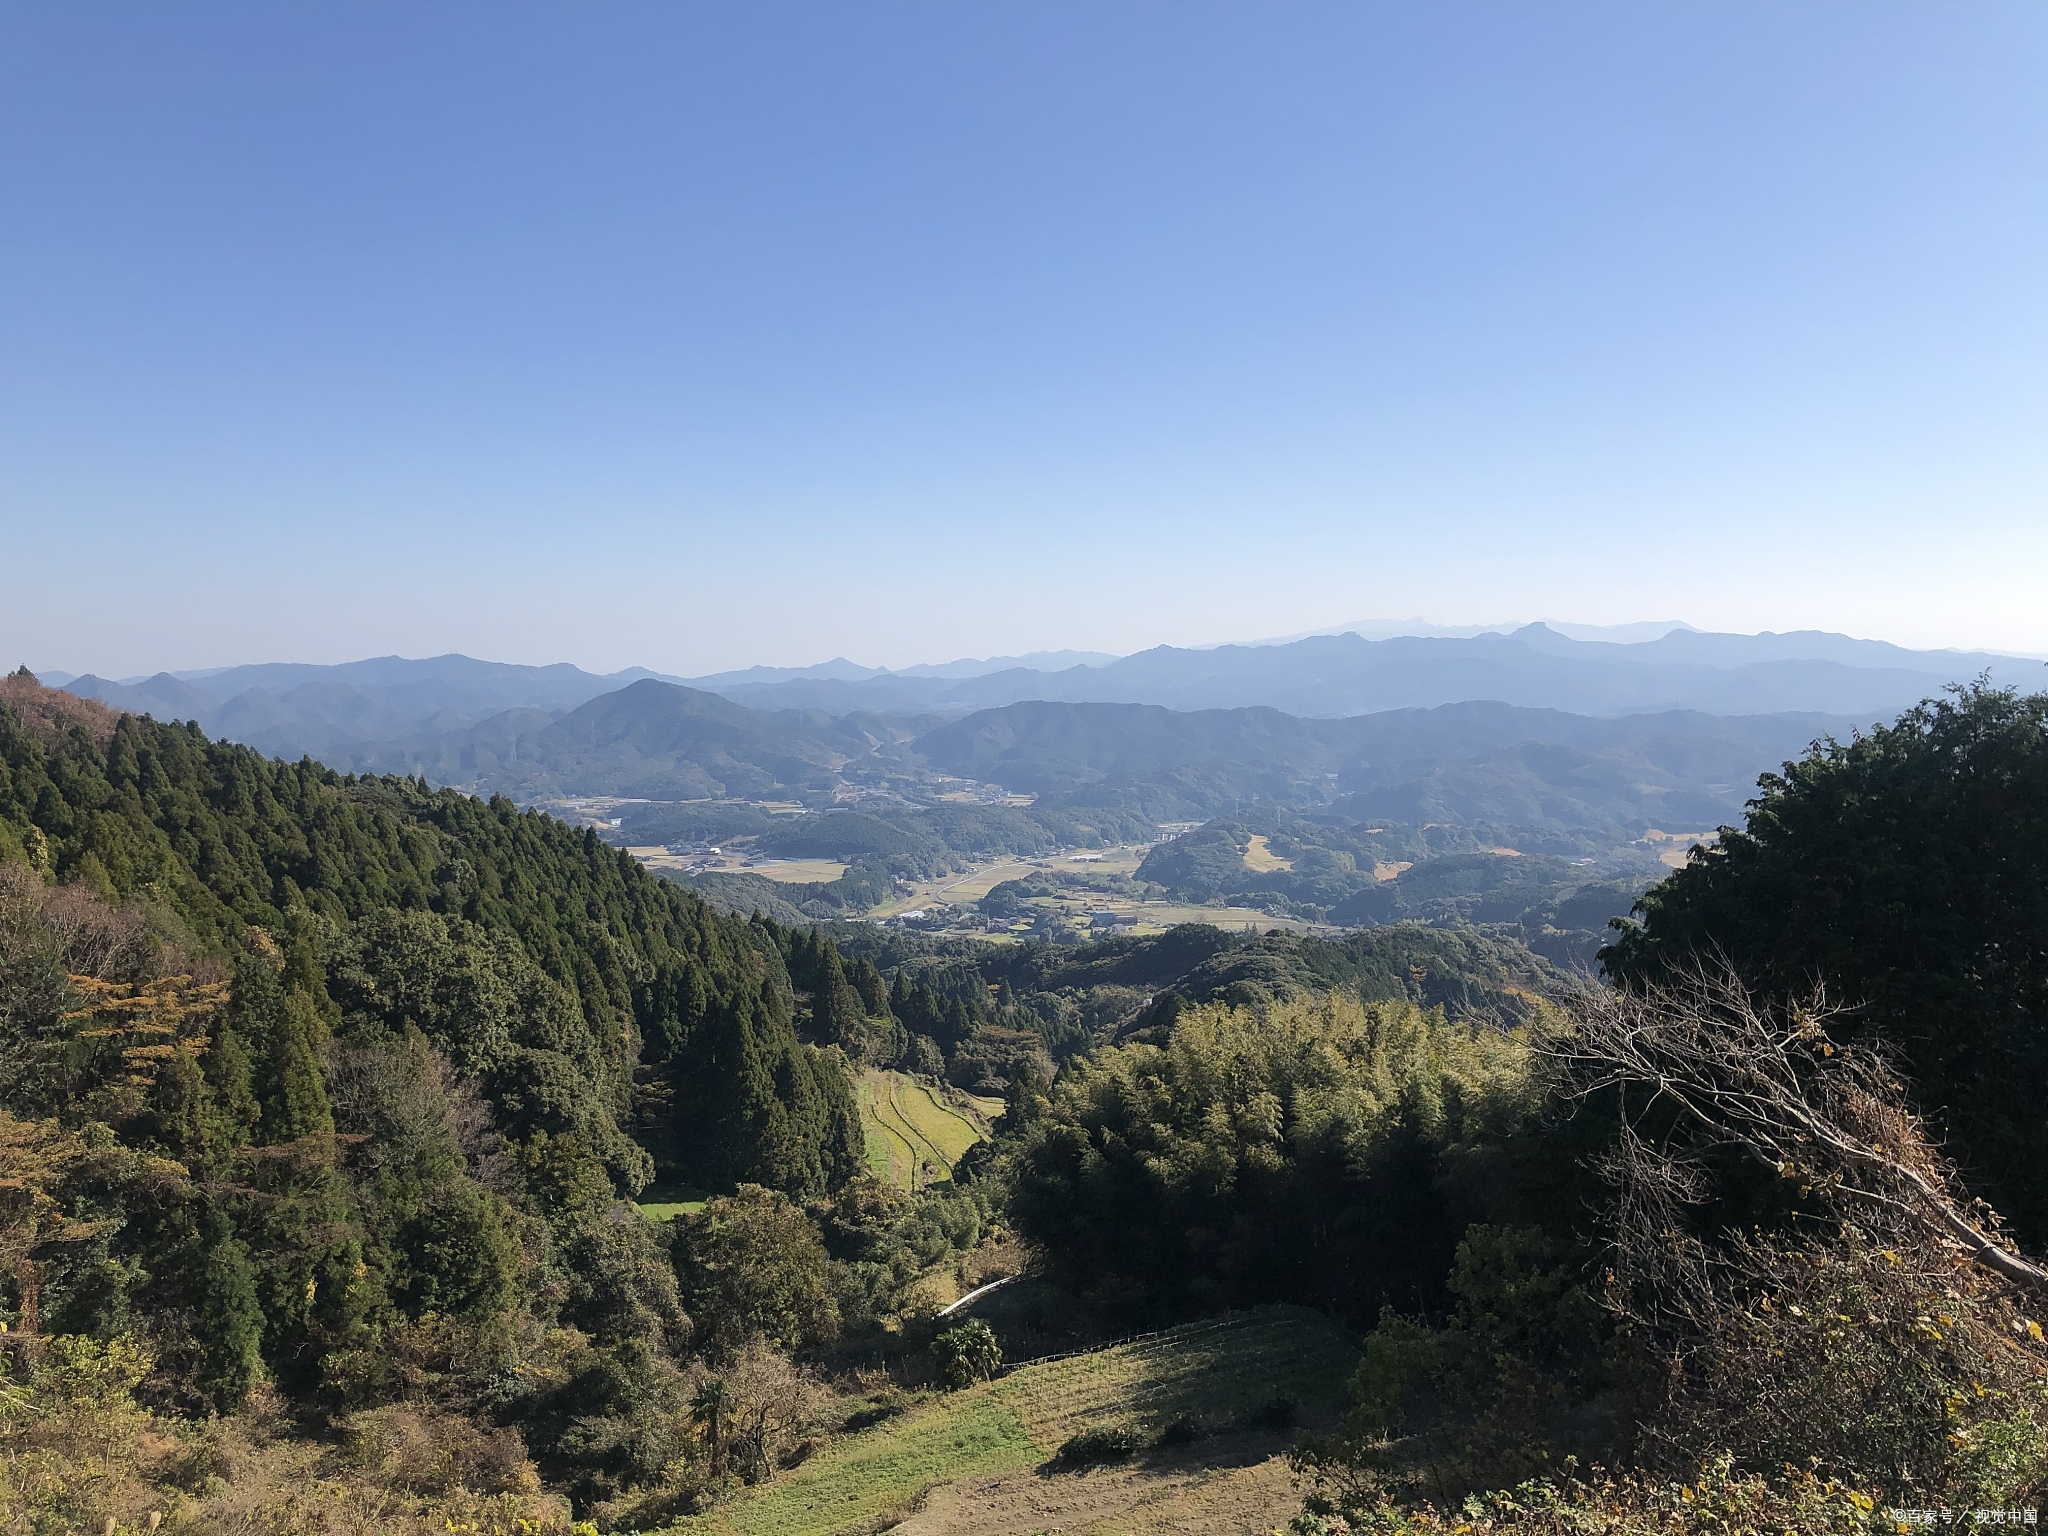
326 1082
1906 869
324 1101
472 894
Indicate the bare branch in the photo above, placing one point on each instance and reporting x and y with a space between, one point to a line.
1771 1083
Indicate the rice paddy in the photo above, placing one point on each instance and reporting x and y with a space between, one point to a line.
916 1132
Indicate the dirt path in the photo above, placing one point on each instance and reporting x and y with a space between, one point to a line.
1236 1485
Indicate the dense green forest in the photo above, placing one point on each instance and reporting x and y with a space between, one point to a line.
325 1102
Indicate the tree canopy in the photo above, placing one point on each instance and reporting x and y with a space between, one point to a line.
1902 868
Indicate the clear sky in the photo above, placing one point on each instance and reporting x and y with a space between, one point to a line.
698 335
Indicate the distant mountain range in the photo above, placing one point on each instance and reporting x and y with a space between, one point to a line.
1541 718
289 709
1535 667
650 740
1464 762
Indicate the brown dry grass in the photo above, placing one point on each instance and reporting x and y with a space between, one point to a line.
1261 859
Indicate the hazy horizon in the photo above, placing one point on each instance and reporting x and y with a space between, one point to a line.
1631 631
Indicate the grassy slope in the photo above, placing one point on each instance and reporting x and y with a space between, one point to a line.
1218 1371
908 1124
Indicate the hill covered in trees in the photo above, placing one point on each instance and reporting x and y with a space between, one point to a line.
322 1098
649 740
315 1081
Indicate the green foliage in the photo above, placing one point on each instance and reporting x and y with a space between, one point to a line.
1717 1496
286 1039
225 839
459 1254
751 1264
966 1354
883 1239
1500 1389
339 1082
841 1004
1903 868
1320 1152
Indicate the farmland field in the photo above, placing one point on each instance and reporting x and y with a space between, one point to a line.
786 871
916 1133
795 871
1259 857
973 884
1219 1374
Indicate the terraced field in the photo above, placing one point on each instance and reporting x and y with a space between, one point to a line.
915 1133
975 1461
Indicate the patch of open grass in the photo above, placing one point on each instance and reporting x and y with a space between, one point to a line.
891 1156
1262 859
970 1434
667 1198
942 1127
1221 1374
798 871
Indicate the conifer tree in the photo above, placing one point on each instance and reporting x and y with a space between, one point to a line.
873 990
837 1013
229 1323
287 1036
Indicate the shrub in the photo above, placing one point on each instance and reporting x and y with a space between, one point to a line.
1094 1446
751 1263
966 1354
1714 1498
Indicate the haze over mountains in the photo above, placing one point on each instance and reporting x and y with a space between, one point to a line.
1532 727
341 713
1535 666
290 709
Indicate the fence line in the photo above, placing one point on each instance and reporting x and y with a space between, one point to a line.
1229 1319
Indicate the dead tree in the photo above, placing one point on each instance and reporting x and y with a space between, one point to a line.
1769 1082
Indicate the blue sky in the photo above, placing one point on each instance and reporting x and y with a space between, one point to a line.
694 336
